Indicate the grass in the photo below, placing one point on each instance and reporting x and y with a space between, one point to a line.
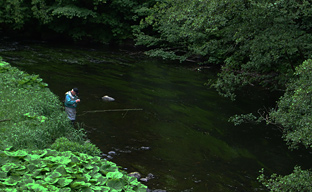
31 116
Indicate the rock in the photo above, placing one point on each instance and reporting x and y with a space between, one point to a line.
145 148
144 179
112 153
109 157
148 177
135 174
107 98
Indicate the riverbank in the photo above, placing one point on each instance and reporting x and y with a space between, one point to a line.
33 114
34 129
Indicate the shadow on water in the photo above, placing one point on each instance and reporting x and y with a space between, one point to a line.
181 135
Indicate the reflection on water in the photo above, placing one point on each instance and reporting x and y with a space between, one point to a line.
181 135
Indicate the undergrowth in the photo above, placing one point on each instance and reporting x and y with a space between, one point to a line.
50 170
31 122
30 114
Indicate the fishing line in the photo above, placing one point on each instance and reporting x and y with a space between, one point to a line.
109 110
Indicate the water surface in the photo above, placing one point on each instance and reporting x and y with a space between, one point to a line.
180 132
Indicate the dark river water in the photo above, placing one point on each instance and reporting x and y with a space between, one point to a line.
178 129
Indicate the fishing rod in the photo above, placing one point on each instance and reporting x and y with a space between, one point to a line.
110 110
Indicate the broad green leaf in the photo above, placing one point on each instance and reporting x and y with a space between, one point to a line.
77 185
61 169
105 189
64 181
10 181
115 184
88 166
28 180
3 175
11 190
101 180
31 157
69 169
107 167
66 189
2 63
74 159
21 167
37 187
51 180
114 175
19 153
97 188
7 167
97 175
59 159
96 169
86 189
133 181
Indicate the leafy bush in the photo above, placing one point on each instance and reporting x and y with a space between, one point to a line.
299 180
294 108
63 144
50 170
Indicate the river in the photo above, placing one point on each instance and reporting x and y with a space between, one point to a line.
177 128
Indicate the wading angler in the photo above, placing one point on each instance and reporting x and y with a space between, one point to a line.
71 101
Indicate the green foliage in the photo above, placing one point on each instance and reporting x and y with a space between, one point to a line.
41 118
50 170
63 144
270 40
97 20
34 115
14 13
244 118
299 180
256 42
294 111
294 114
178 29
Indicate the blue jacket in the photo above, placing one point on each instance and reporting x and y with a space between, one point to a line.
70 100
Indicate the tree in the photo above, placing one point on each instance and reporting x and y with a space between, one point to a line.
294 114
97 20
13 13
255 42
258 42
299 180
294 111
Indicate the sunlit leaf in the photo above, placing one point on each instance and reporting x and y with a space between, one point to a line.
19 153
114 175
7 167
37 187
10 181
76 185
31 157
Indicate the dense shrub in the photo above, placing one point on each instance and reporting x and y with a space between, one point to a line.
63 144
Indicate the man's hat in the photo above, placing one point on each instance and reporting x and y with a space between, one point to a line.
76 90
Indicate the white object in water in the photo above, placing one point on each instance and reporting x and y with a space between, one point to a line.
107 98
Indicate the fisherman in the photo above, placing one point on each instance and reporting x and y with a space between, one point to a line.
71 101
